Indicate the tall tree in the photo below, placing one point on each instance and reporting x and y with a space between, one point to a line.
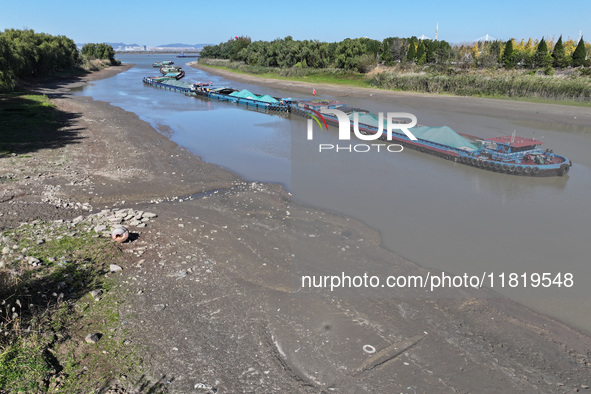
494 50
542 46
508 57
558 54
7 79
421 54
541 57
579 54
412 52
443 51
25 54
396 49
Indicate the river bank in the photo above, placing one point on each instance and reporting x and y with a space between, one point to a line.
495 107
571 87
215 299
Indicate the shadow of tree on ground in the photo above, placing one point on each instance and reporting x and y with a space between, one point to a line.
29 123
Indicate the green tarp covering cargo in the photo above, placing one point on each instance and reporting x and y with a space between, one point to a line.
249 95
439 135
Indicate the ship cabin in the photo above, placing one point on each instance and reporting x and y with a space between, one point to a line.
317 105
510 148
198 84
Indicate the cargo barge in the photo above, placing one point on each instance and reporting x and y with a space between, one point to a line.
242 97
506 154
163 63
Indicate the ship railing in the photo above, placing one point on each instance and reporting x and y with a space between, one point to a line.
513 156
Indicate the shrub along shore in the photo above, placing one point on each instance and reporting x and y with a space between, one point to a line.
570 86
26 55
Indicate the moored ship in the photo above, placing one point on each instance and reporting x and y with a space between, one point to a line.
163 63
506 154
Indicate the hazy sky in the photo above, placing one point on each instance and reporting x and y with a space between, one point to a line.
149 22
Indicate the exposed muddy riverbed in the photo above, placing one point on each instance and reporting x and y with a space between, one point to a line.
439 214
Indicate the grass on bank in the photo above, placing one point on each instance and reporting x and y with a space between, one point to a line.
570 87
333 76
46 311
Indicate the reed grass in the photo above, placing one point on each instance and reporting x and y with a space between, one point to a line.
566 87
511 85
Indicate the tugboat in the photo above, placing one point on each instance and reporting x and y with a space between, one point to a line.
519 156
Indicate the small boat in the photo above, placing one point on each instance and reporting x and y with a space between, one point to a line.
170 69
163 63
183 55
174 75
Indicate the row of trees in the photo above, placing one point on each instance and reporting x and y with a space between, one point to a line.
561 56
526 54
350 54
24 53
363 54
99 51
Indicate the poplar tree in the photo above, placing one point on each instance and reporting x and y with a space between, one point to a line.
579 54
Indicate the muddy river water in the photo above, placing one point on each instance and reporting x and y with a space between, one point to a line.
437 213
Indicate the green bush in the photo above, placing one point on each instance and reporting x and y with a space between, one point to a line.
366 63
24 54
549 70
99 51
